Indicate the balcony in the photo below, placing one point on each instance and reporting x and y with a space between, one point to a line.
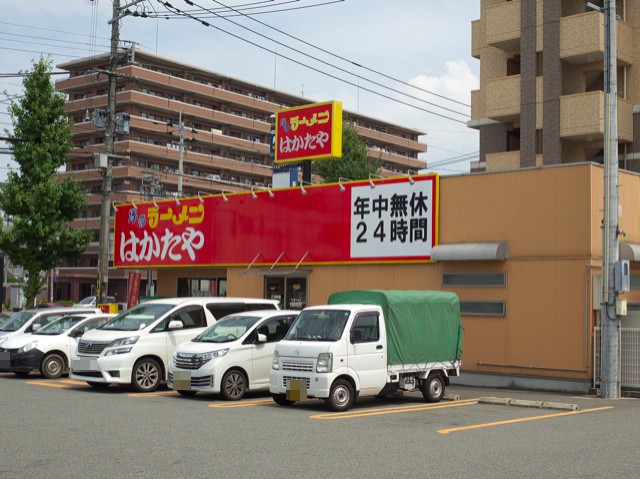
503 25
582 117
476 39
502 100
582 39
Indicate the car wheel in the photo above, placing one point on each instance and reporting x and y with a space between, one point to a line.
96 385
52 366
21 374
281 400
234 385
433 388
146 375
341 396
186 393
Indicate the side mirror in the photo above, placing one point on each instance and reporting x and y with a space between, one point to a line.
35 327
262 338
175 324
77 333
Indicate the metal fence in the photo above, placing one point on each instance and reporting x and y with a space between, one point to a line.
629 357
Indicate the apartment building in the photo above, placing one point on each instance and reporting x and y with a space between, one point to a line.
224 124
541 96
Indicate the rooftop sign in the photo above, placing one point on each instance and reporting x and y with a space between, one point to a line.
309 132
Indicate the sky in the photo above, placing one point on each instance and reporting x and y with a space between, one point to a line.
407 62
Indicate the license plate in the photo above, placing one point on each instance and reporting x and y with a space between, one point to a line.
84 364
297 390
182 380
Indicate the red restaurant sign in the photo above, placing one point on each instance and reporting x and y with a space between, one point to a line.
395 221
309 132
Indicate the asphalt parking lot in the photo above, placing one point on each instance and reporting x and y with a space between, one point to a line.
64 428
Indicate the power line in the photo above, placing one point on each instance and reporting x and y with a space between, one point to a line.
189 2
342 58
206 24
178 15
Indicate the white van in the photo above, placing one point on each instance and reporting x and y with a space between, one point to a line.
230 357
135 347
33 319
50 347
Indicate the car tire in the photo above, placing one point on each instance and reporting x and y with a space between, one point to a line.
146 375
433 388
281 400
52 366
233 385
341 396
96 385
186 393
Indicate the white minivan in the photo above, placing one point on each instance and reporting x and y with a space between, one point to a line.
33 319
49 348
231 357
135 347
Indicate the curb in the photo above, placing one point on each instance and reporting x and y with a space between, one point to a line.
527 403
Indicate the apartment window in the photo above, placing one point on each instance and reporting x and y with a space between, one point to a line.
513 140
482 308
497 280
513 65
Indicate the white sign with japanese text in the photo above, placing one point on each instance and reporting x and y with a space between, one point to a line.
392 220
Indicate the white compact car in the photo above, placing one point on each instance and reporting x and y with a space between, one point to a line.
49 348
135 347
232 356
31 320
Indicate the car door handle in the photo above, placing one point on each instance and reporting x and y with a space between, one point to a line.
379 346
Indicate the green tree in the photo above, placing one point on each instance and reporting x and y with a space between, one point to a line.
355 163
36 202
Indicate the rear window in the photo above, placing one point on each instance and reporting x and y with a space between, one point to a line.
260 306
220 310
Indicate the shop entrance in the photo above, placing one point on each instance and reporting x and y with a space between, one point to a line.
289 291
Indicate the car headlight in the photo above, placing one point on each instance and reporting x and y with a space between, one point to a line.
275 362
123 341
325 363
28 347
3 339
214 354
128 341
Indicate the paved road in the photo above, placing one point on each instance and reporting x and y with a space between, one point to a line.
64 429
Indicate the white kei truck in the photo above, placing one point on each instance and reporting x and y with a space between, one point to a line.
370 343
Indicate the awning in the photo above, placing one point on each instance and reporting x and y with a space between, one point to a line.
629 251
489 251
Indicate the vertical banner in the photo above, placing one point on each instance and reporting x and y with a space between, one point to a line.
133 292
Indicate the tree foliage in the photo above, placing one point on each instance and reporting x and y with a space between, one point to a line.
355 163
36 202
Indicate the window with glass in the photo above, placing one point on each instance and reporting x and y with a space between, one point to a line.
289 291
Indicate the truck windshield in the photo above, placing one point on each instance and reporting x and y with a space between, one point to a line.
16 321
61 325
319 325
138 317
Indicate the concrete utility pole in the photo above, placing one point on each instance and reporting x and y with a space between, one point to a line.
105 210
610 366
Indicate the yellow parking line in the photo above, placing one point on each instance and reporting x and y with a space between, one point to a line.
512 421
391 410
256 402
74 382
153 394
51 385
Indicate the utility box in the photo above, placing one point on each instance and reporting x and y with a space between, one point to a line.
622 276
621 307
